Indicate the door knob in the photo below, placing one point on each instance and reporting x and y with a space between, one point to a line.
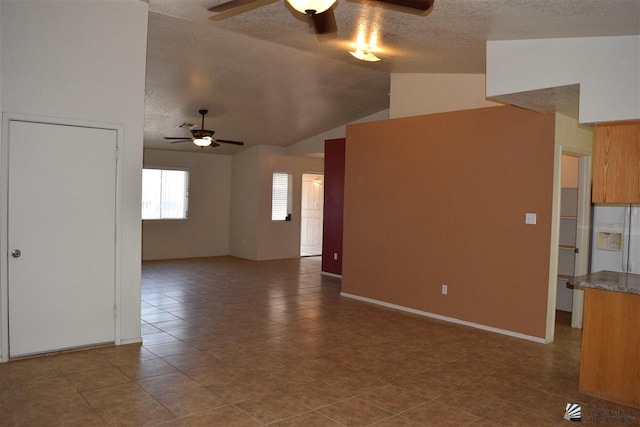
16 253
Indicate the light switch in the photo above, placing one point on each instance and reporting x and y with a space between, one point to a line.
530 218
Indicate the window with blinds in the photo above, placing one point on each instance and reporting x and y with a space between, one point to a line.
165 193
281 197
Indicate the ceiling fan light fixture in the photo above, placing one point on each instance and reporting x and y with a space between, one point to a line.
364 55
364 49
311 7
202 142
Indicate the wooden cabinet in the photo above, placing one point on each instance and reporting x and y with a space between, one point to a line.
616 163
610 361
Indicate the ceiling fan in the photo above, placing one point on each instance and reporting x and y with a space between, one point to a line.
203 137
319 11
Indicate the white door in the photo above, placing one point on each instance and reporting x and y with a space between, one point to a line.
61 219
311 214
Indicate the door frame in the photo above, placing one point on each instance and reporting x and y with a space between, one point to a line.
4 209
583 235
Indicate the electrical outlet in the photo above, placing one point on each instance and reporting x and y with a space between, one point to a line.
335 256
444 289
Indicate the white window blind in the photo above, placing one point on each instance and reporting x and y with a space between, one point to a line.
281 197
165 194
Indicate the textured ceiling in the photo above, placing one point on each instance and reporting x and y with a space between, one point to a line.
267 78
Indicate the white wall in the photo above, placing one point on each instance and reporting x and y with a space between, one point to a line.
607 69
417 94
206 230
245 196
1 56
85 61
253 234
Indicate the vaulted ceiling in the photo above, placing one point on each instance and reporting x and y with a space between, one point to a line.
267 78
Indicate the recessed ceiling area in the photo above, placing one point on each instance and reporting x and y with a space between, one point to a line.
267 78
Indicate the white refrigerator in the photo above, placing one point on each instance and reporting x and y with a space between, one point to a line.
615 244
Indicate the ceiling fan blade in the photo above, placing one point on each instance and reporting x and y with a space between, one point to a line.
226 141
177 137
414 4
213 145
237 8
413 7
324 22
177 142
229 5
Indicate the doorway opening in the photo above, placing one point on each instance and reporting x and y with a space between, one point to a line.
311 214
567 249
573 234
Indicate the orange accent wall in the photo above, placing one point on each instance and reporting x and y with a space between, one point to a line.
442 198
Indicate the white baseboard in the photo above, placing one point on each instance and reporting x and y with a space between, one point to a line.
131 341
339 276
447 319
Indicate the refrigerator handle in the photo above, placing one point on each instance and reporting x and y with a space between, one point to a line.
625 239
633 240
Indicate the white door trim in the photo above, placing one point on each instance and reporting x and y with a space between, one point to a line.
555 240
4 191
583 233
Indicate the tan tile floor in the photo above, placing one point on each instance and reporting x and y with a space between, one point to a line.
229 342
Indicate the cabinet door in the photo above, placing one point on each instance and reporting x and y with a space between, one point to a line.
610 360
616 163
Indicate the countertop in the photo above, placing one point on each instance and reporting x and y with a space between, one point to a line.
609 281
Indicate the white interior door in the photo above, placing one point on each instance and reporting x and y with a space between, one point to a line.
311 214
61 217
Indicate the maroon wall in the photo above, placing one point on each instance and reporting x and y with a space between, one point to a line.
333 205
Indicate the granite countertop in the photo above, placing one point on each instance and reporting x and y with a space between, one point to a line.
609 281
